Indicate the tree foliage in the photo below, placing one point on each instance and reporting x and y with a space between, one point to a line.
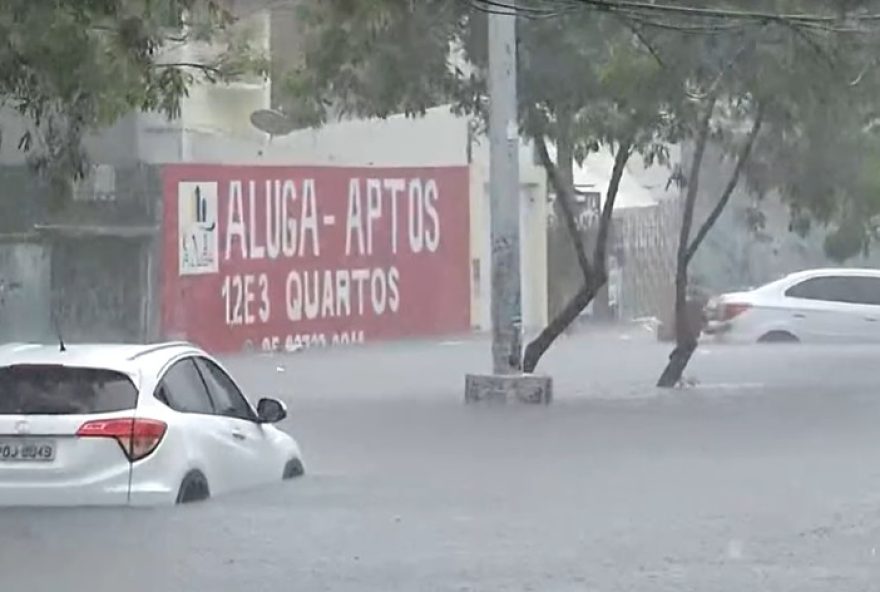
584 84
598 76
382 57
373 58
73 66
795 84
786 90
819 149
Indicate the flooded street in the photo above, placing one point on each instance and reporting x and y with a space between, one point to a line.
253 255
773 487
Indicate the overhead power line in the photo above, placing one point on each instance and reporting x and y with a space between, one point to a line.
544 7
688 19
533 10
717 13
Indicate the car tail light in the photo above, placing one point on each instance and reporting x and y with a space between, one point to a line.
137 437
730 310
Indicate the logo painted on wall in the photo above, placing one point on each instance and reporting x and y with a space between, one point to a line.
197 228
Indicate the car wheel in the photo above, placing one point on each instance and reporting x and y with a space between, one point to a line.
778 337
293 469
193 488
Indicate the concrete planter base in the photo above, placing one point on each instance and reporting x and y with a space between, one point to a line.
523 388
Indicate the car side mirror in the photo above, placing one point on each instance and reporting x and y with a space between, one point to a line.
271 410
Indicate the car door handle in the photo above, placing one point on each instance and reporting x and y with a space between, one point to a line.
799 315
239 436
871 319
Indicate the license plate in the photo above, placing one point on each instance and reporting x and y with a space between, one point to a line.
26 451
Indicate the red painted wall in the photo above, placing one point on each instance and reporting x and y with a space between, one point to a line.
274 256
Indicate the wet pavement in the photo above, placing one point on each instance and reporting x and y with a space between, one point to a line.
763 477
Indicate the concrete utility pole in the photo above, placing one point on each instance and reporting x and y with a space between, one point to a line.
507 381
504 195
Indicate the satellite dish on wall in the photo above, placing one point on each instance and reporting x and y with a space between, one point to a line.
272 121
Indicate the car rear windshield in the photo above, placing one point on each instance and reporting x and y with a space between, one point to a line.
63 390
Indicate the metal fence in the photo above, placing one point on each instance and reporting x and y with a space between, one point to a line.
646 239
643 243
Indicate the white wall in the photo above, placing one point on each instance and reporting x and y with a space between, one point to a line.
220 109
596 172
640 186
533 238
437 139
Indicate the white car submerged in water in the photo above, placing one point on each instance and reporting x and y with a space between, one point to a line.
814 306
131 425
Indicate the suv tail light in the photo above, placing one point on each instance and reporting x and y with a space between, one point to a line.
730 310
138 438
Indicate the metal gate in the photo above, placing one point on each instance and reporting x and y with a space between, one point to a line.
24 290
99 288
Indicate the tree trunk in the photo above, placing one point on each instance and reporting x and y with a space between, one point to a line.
685 335
602 304
688 323
564 191
565 166
595 274
678 361
741 160
565 151
540 344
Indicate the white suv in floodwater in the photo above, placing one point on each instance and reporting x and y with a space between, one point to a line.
131 425
816 306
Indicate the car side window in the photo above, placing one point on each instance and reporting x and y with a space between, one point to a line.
850 290
867 290
228 400
826 289
183 389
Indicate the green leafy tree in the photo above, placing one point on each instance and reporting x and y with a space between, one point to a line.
821 154
585 83
373 58
70 67
612 94
779 98
751 78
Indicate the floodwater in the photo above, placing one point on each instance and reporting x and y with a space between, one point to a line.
765 477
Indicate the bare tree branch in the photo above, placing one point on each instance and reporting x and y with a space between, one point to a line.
597 277
685 341
741 160
644 41
693 182
565 195
190 65
624 151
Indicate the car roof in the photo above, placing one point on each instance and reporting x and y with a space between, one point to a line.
834 271
126 358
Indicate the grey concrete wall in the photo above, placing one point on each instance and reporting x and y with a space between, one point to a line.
25 313
94 263
117 145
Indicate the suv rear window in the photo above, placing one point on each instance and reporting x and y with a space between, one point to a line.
63 390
